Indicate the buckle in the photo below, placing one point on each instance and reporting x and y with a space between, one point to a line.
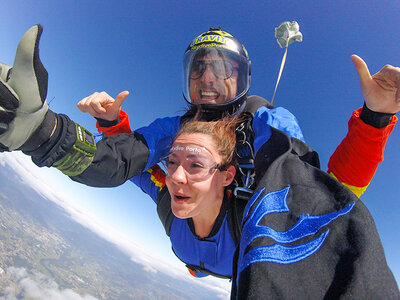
243 193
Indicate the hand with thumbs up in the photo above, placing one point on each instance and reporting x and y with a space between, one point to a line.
23 90
102 105
381 91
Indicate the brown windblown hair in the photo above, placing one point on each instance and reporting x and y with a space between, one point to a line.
222 132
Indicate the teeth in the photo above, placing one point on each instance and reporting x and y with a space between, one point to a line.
210 94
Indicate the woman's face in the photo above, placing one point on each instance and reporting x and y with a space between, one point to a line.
193 196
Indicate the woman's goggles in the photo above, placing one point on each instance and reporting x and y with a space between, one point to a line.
222 69
197 162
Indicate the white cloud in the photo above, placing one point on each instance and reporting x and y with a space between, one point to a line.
38 179
37 286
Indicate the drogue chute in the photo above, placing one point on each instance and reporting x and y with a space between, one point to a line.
285 34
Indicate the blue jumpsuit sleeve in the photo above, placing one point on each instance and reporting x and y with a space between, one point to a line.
150 181
159 135
279 118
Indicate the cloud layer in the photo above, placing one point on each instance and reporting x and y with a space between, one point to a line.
36 286
37 178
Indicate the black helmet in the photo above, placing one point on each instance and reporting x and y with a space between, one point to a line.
228 60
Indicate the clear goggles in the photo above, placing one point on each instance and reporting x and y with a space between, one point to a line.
222 69
197 162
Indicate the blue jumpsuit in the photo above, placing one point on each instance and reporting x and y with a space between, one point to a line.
215 252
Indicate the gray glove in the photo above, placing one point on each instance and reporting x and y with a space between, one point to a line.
23 90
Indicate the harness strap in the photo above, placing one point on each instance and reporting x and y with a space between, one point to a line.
245 183
164 209
245 158
244 148
205 271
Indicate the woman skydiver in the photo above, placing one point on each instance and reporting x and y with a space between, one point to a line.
318 222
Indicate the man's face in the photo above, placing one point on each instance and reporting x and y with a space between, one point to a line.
207 82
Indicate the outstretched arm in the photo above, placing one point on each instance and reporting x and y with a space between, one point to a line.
356 159
53 139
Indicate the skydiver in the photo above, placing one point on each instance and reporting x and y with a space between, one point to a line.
54 140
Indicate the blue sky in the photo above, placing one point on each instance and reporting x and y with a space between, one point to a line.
90 46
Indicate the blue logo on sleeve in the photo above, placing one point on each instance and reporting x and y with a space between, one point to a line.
275 202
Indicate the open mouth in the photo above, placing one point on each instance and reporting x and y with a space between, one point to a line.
208 95
180 199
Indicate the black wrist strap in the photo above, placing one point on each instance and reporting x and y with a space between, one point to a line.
42 134
375 119
58 145
106 123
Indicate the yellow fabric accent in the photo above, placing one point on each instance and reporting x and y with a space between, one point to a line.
358 191
152 178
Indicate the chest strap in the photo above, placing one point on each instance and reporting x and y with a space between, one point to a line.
245 158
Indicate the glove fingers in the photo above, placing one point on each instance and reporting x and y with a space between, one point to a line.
29 77
3 128
8 100
4 72
28 83
6 116
4 148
